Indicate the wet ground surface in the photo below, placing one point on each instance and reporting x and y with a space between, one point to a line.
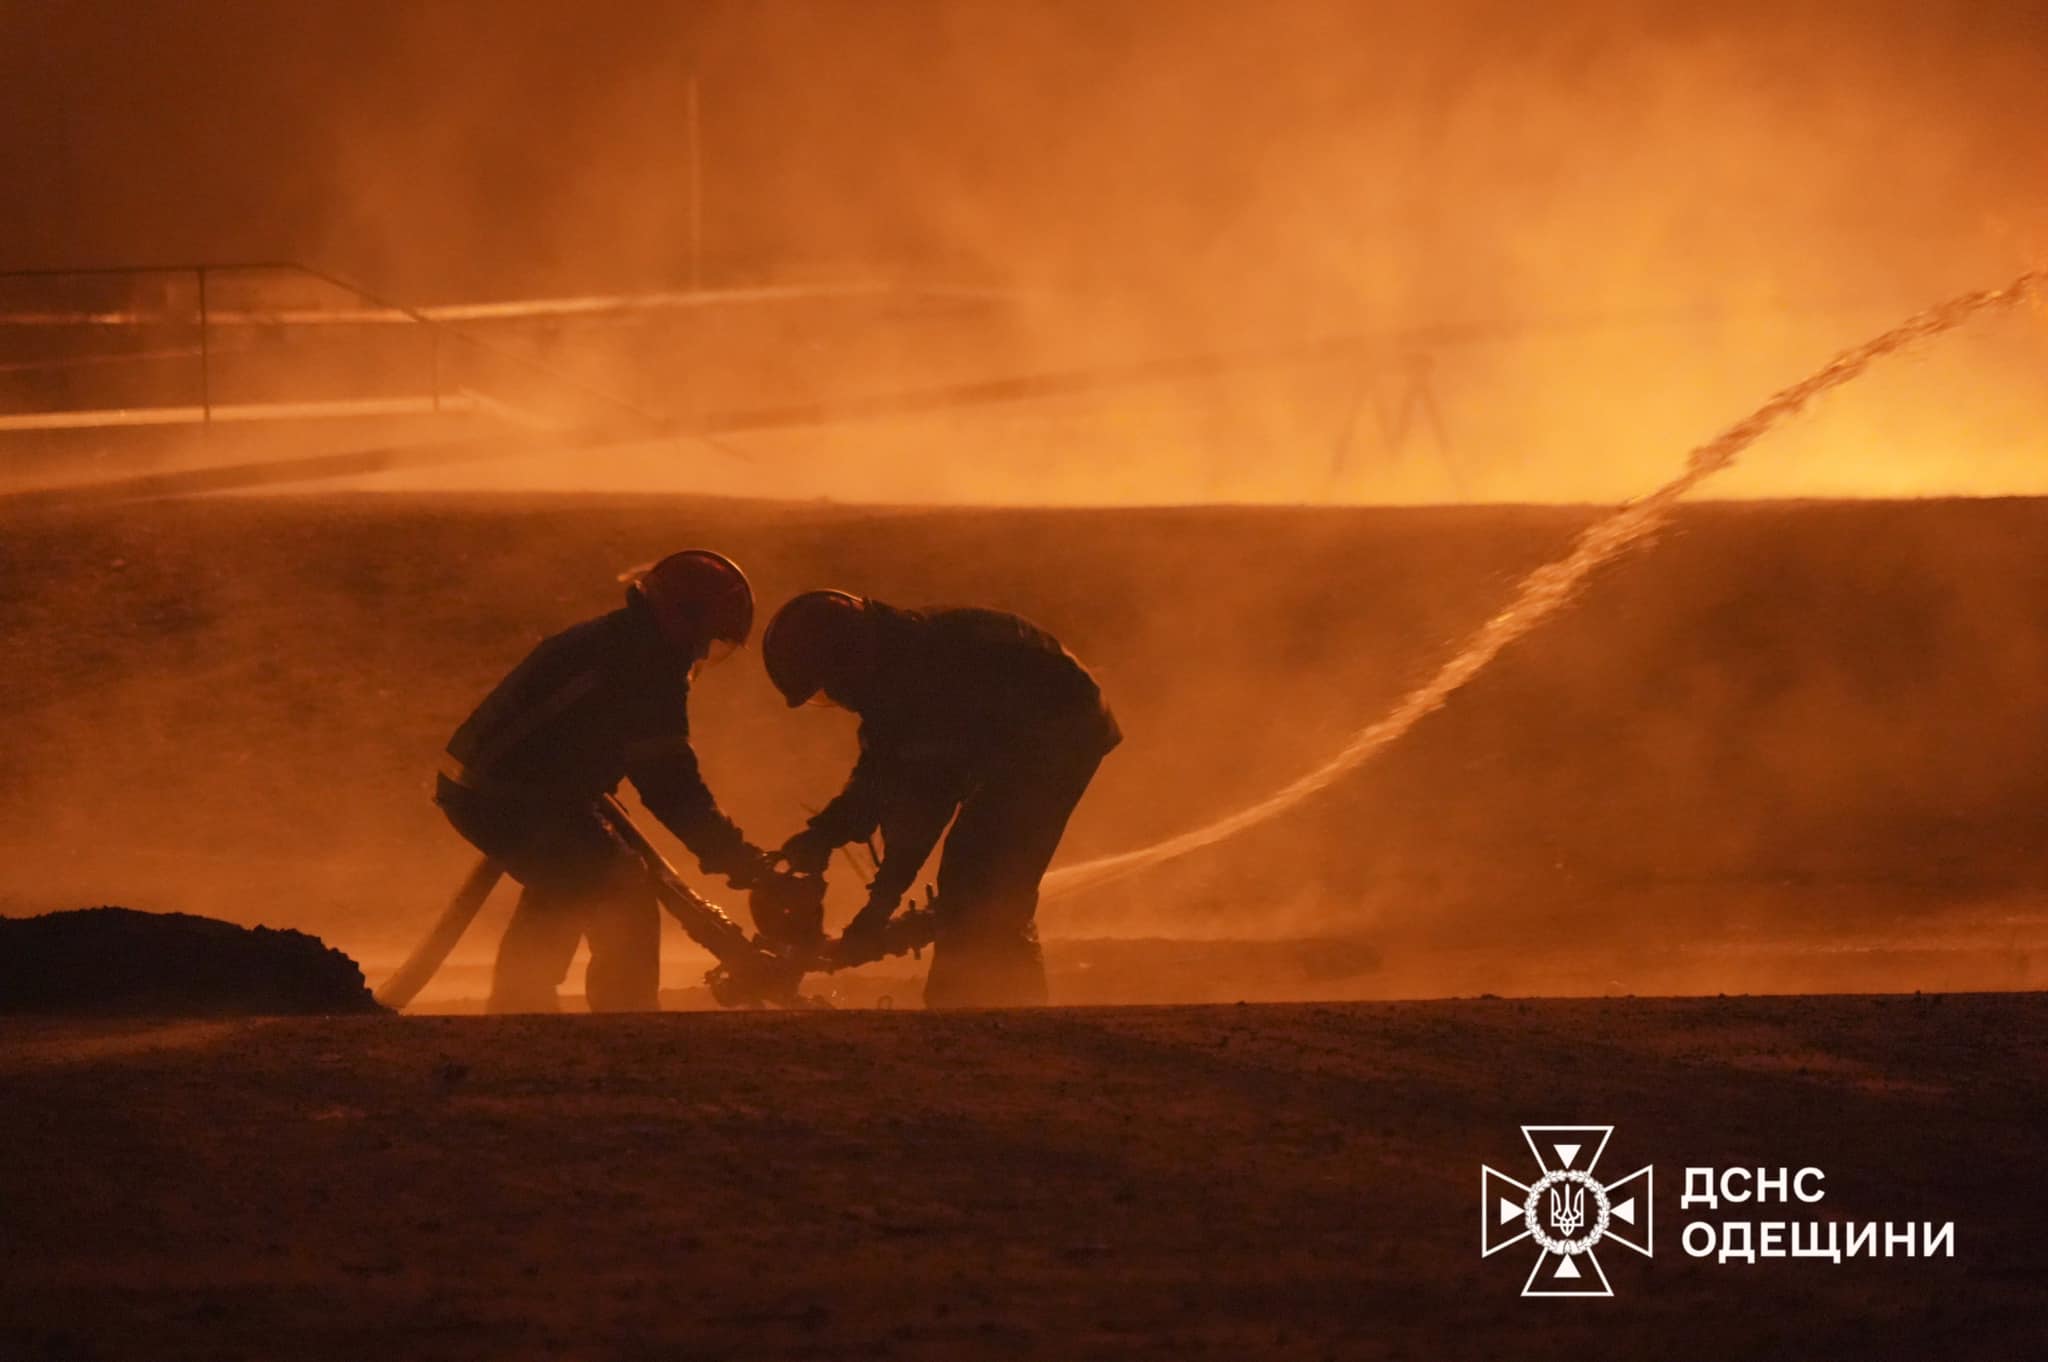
1226 1181
1775 947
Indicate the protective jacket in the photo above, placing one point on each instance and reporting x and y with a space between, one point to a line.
602 701
958 696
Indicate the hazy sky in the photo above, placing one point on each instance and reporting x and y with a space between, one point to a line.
1781 179
1455 150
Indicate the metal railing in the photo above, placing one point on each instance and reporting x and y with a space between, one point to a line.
158 304
227 318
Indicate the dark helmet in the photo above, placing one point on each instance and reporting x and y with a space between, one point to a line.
814 640
697 598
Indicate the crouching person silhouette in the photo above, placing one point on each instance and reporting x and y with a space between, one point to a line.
968 716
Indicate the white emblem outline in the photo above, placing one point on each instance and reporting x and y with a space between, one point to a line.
1617 1207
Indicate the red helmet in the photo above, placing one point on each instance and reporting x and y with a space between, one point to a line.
698 597
813 640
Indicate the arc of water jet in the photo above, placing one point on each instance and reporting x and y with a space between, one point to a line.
1548 589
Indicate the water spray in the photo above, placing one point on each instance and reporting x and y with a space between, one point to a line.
1548 589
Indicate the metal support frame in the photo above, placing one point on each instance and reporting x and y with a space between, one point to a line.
1417 398
635 418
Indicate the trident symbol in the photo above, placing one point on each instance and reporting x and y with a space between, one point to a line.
1568 1209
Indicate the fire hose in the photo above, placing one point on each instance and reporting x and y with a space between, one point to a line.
762 970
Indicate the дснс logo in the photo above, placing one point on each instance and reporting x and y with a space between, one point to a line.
1567 1211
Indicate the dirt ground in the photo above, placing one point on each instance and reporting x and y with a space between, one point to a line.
1233 1181
1794 748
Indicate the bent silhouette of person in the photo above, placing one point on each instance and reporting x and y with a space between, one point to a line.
971 716
602 701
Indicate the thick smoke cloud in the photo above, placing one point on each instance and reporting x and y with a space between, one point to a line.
1606 230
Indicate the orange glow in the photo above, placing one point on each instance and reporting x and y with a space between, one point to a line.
1305 272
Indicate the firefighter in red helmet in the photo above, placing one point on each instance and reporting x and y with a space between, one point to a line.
974 717
602 701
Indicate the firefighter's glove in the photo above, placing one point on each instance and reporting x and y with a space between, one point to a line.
865 938
807 853
744 867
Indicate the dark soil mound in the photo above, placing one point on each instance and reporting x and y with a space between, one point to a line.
116 961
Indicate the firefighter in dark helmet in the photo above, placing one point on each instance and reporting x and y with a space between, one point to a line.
962 711
602 701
